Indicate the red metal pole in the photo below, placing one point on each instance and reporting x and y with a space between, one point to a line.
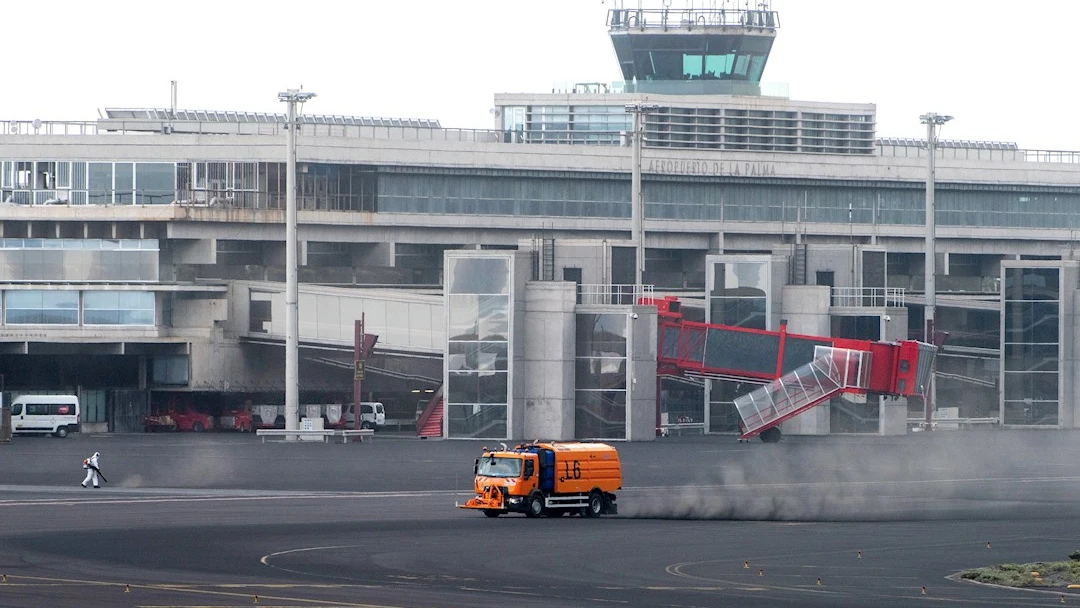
358 345
928 391
659 400
780 353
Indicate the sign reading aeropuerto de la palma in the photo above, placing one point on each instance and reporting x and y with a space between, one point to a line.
710 167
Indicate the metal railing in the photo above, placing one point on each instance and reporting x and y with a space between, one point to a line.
162 127
47 127
881 297
411 133
975 150
596 294
729 15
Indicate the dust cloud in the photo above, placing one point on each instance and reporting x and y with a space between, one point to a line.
953 475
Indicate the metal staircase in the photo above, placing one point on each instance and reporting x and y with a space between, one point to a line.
833 371
430 421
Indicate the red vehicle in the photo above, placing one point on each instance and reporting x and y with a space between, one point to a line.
158 422
185 419
190 420
236 420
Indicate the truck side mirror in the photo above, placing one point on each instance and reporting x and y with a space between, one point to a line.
530 468
476 466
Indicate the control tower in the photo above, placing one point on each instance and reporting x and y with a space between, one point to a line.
720 49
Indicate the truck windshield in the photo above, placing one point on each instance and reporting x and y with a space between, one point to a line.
500 467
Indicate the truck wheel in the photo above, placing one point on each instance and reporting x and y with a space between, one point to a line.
366 425
61 432
596 505
492 512
535 506
771 435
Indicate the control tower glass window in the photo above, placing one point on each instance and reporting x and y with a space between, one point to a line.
660 57
723 67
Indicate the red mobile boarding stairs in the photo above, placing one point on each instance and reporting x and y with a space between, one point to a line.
797 371
430 421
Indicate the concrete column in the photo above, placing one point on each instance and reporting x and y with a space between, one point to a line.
806 309
641 397
200 251
374 254
143 369
548 360
1068 408
892 415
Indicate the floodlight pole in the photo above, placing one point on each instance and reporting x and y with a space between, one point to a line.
292 287
932 121
637 201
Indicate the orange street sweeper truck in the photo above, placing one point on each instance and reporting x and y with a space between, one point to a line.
553 479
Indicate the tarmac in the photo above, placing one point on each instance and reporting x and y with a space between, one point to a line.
219 519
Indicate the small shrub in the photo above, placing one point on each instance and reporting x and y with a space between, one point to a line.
1075 555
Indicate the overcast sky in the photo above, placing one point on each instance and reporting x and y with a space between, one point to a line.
1001 67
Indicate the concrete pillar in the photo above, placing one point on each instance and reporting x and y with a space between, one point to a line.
143 372
548 360
374 254
195 251
806 309
892 416
641 397
5 423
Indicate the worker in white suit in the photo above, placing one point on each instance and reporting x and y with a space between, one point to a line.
93 473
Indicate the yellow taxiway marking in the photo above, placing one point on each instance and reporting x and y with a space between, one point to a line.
212 590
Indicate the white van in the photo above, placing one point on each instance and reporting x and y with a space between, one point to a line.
54 414
372 415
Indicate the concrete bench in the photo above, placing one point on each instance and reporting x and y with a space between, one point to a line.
679 427
303 435
399 423
953 424
323 435
346 433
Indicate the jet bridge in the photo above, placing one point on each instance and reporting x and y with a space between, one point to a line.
797 371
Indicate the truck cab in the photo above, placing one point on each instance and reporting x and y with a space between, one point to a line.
551 479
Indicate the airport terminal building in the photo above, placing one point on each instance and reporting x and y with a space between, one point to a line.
142 255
